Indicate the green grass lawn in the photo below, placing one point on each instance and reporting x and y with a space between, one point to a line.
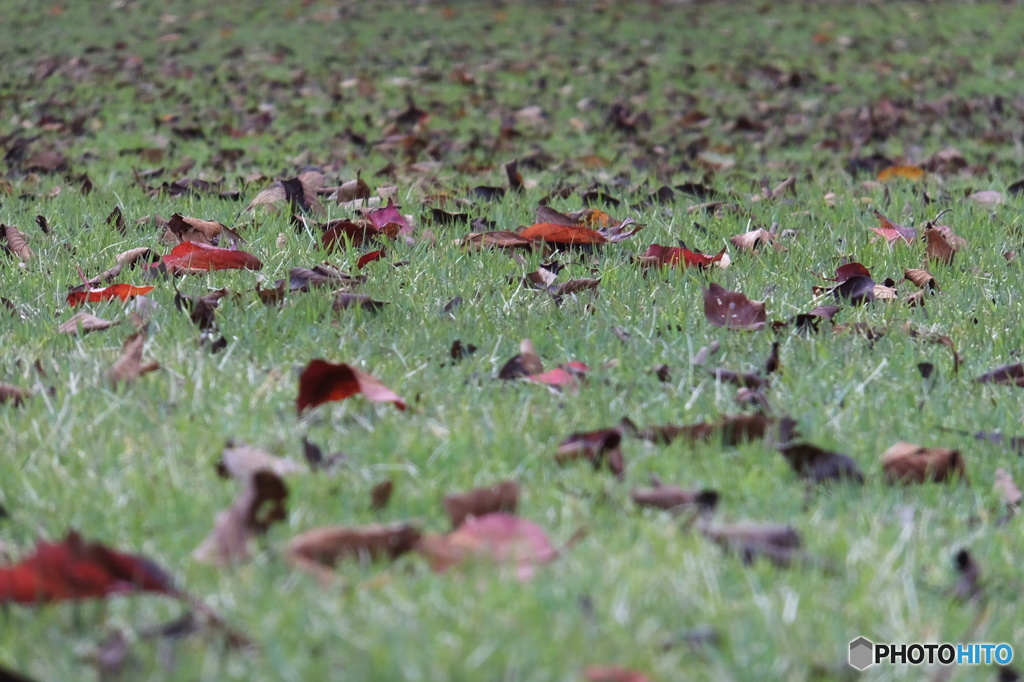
625 97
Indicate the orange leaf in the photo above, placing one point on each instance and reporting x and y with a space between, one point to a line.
195 258
659 255
904 172
323 382
562 234
121 291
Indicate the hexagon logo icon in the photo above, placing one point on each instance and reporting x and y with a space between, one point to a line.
862 653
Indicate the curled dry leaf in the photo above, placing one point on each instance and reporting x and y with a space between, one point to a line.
261 504
502 538
13 395
911 463
733 310
184 229
597 447
1012 375
323 275
130 366
500 239
942 243
921 278
323 381
16 242
756 239
326 547
500 497
299 193
191 258
777 543
83 323
241 462
674 498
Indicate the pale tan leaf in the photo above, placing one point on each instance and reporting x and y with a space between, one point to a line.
84 323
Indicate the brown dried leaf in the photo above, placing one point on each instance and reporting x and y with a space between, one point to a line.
326 547
16 243
381 495
129 366
779 544
260 504
814 463
525 363
502 538
733 430
344 300
910 463
1012 375
942 243
597 447
921 278
671 497
14 395
83 322
501 239
500 497
184 229
733 310
755 239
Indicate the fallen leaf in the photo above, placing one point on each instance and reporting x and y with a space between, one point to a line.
299 193
129 366
732 430
1009 493
661 256
121 291
241 462
83 323
190 258
368 258
893 232
562 235
564 376
814 463
779 544
901 172
337 233
16 243
323 381
382 217
326 547
921 278
184 229
381 495
344 300
909 463
1012 375
323 275
674 498
501 239
525 363
597 447
942 243
756 239
500 497
261 504
502 538
733 310
316 459
74 569
14 395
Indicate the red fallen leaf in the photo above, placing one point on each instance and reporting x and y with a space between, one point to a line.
121 291
845 272
75 569
338 231
317 549
324 381
733 310
561 377
658 255
389 215
369 258
562 234
503 538
194 258
891 231
613 673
